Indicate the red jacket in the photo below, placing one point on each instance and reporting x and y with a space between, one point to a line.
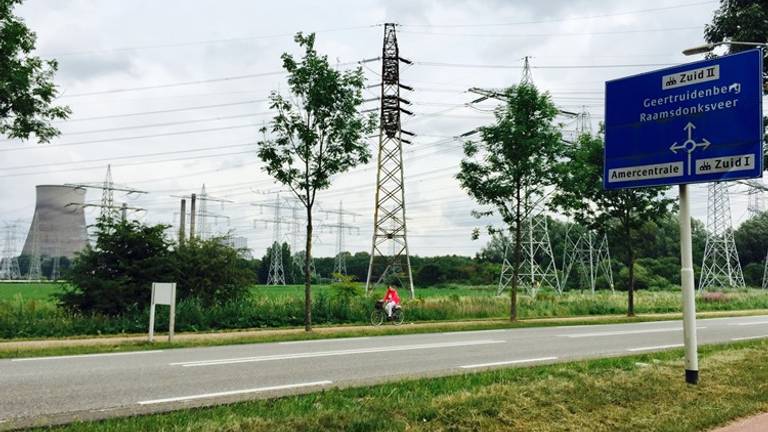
391 295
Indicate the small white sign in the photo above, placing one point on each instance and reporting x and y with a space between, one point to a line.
723 164
690 77
645 172
163 293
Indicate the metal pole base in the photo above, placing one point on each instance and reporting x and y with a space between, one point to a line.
691 376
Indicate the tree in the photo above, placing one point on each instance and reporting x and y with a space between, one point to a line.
27 91
317 133
511 162
741 21
210 272
114 277
580 194
752 239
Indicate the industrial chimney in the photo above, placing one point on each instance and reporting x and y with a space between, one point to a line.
60 222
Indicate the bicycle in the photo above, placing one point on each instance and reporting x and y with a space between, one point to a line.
379 315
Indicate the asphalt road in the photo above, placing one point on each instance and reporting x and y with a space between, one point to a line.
49 390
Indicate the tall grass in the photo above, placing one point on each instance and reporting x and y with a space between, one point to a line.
23 318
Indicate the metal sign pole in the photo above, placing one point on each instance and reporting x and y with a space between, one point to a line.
689 297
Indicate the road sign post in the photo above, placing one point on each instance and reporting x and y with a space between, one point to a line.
693 123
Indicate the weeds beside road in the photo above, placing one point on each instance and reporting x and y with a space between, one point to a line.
30 316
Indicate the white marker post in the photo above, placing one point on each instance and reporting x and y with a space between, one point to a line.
163 294
689 296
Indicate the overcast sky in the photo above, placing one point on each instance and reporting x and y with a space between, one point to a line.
219 60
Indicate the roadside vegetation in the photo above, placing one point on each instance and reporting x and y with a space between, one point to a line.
25 314
619 394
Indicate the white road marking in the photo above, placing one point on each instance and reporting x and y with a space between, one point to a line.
335 353
624 332
749 337
651 348
509 362
749 323
474 331
235 392
323 340
86 356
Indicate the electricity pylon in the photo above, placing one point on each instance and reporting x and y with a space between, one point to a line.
9 266
755 199
340 263
109 211
720 267
764 285
34 273
389 220
204 216
276 275
591 256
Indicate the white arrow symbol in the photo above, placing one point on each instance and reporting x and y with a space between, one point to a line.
675 147
689 128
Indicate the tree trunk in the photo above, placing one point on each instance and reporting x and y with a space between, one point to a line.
307 275
631 267
517 258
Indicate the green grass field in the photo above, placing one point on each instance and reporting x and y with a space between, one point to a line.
636 393
28 291
451 290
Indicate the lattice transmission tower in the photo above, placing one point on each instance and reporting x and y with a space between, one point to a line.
720 267
9 266
340 227
108 210
588 252
755 199
389 220
35 273
276 275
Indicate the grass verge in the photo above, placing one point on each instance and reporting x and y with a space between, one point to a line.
634 393
57 347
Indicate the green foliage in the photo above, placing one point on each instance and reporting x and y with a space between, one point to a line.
27 92
513 161
210 272
26 318
317 133
739 20
115 275
753 274
623 213
752 239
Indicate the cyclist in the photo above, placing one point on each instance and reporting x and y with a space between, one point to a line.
391 299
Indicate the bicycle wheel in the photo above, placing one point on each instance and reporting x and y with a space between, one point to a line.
398 317
377 317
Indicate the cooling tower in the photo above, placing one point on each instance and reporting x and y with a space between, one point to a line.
60 222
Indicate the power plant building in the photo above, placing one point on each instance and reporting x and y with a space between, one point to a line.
58 225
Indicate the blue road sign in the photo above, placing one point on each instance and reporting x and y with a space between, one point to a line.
698 122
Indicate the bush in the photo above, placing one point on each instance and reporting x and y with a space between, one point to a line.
210 272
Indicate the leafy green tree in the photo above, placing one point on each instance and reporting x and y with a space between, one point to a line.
511 163
115 276
752 239
210 272
317 133
27 92
741 21
580 194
